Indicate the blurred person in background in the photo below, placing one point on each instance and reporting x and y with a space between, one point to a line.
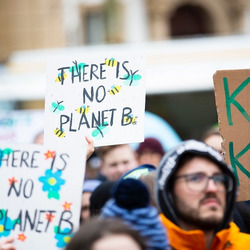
108 234
88 188
147 174
115 161
149 152
213 138
100 196
130 202
103 192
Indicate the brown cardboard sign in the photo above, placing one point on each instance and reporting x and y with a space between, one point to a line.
232 95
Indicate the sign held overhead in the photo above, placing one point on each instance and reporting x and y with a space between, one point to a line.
103 98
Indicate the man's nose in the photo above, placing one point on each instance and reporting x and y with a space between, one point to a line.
211 186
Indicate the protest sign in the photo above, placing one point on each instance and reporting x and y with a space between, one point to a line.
103 98
232 94
40 195
20 126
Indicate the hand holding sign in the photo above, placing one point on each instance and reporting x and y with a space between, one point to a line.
90 147
6 244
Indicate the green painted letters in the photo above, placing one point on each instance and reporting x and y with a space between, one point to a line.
234 159
230 100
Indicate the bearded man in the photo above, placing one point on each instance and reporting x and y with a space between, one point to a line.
196 193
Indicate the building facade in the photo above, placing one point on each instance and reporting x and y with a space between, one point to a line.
32 24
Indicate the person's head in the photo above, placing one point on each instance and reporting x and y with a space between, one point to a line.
213 138
88 187
131 202
195 189
116 160
100 196
150 152
101 234
146 173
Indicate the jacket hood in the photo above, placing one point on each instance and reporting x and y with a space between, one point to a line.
169 165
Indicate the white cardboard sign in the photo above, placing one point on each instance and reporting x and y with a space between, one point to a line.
40 195
103 98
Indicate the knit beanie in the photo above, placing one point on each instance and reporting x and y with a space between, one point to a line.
130 202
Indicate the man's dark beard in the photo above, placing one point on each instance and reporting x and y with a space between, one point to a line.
191 217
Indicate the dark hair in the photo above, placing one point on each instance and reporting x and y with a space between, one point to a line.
100 196
96 228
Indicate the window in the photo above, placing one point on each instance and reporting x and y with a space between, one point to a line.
190 20
95 27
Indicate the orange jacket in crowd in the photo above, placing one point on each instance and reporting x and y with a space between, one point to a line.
226 239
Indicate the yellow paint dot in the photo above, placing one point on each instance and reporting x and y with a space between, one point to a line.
66 239
52 181
1 228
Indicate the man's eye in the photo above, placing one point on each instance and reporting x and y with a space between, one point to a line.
196 178
219 178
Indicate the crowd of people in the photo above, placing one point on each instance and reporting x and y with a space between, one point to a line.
185 198
149 199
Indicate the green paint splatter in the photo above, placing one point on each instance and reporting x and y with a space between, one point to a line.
3 152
